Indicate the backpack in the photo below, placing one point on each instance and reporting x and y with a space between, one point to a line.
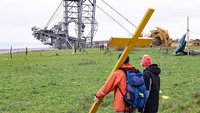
136 89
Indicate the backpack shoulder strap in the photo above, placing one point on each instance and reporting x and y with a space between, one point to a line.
120 91
122 69
125 70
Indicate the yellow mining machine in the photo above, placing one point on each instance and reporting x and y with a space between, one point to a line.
160 37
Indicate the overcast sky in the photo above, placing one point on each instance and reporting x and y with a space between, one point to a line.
18 16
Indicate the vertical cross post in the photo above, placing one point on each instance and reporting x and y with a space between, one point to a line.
129 43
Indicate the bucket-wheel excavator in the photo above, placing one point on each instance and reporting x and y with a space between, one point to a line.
81 13
160 37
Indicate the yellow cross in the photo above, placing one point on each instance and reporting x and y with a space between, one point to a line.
129 43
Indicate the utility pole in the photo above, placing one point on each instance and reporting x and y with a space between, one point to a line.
187 35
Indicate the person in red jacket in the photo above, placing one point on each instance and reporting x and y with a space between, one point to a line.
117 79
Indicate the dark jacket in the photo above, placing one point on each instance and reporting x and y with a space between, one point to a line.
152 73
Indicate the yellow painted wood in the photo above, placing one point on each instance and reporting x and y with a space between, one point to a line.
118 41
94 107
125 41
128 49
142 42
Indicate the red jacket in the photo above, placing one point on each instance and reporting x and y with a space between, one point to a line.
117 79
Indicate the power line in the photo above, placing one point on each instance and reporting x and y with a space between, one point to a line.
194 32
114 20
50 20
121 15
59 16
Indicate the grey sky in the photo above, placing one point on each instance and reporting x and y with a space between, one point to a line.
18 16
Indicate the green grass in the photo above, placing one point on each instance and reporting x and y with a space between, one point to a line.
59 82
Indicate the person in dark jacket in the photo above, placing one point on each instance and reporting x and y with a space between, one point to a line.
152 82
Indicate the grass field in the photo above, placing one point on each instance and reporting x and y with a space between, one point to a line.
59 82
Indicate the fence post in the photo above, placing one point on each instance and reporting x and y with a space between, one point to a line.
26 50
11 52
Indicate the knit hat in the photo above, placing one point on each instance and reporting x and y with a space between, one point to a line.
127 59
146 61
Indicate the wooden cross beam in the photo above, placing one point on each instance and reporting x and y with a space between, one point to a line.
129 43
